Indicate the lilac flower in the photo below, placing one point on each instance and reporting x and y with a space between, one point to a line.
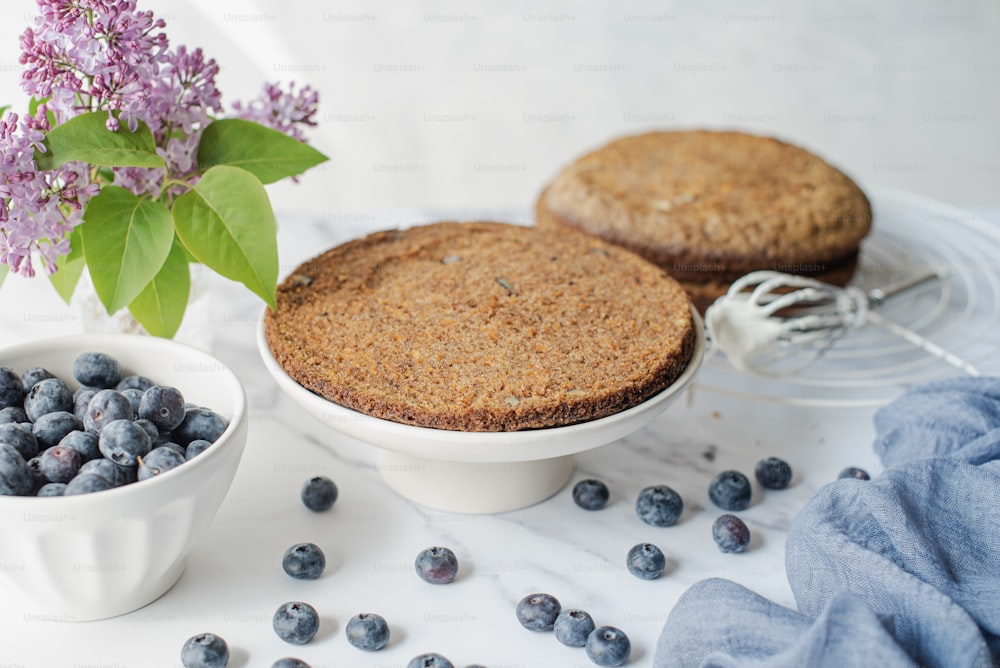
281 110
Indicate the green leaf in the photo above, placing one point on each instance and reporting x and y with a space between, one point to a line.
125 242
267 154
33 105
69 267
161 304
4 270
86 138
3 109
227 224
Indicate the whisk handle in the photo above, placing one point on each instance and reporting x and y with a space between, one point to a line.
922 342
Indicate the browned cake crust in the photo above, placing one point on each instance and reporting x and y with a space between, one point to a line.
481 327
712 206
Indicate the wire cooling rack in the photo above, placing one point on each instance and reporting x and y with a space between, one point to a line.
961 313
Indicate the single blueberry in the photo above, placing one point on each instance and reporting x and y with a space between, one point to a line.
140 383
52 489
295 622
436 565
107 469
38 478
854 472
81 400
134 397
646 561
659 506
20 438
590 494
59 464
730 533
33 375
12 415
199 424
538 612
11 388
105 407
430 660
47 396
149 428
730 490
87 483
16 478
97 370
572 627
123 442
157 461
304 561
195 448
205 650
171 446
84 442
290 662
367 631
163 406
773 473
50 428
608 646
318 494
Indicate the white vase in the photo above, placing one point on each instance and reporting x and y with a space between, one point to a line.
197 328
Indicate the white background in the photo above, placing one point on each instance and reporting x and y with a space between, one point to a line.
415 114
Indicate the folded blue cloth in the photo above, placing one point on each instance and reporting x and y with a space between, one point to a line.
901 570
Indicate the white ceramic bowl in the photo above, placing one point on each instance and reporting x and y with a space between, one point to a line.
99 555
479 472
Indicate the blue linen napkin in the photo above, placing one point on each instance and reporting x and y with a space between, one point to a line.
901 570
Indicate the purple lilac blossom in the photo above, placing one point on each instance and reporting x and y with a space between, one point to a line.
285 111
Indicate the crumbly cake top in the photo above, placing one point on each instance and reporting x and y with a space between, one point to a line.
726 200
481 327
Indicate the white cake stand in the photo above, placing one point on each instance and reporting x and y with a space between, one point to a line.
478 472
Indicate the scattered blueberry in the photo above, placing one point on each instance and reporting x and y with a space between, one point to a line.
854 472
318 494
50 428
84 442
290 662
304 561
367 631
608 646
205 650
106 406
646 561
33 375
97 370
659 506
134 397
12 415
730 490
163 406
773 473
21 439
11 388
113 473
538 612
140 383
572 627
590 494
123 442
195 448
436 565
296 622
87 483
52 489
59 464
81 400
730 533
15 476
157 461
430 660
199 424
47 396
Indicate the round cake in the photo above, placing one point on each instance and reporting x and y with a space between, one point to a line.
481 327
710 207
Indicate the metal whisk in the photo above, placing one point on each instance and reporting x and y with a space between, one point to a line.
775 324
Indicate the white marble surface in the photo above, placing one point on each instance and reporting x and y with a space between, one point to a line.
234 581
